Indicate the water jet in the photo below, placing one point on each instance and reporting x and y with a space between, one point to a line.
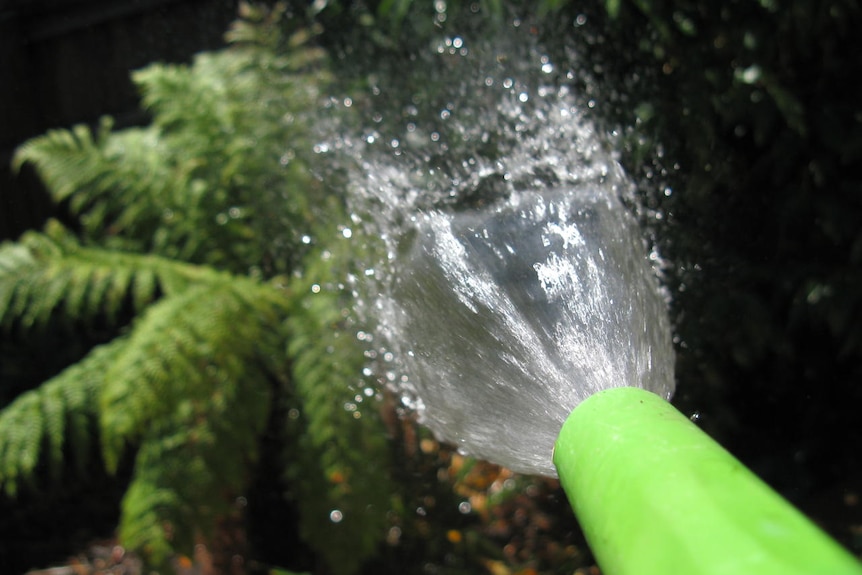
529 327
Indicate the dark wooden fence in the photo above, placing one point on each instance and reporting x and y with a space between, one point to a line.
66 62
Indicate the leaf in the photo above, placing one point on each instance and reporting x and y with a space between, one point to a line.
47 277
340 461
53 421
193 388
212 338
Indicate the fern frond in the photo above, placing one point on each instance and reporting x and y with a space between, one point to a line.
158 514
65 158
193 388
54 421
237 122
48 275
188 469
204 345
343 447
221 176
108 178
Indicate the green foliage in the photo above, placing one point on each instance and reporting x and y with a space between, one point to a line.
227 143
192 253
189 384
49 278
345 495
52 422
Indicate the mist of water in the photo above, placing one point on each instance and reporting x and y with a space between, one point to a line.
515 282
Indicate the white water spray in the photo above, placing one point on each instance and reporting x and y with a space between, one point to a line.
515 282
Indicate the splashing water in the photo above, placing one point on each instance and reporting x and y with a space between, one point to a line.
515 283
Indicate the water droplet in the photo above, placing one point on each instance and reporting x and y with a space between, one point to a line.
465 507
315 288
347 233
749 75
336 516
393 536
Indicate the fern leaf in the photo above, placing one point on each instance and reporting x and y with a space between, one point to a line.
342 448
46 422
19 421
54 426
49 274
108 179
194 388
60 153
189 468
192 346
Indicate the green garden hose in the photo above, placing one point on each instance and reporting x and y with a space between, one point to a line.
656 496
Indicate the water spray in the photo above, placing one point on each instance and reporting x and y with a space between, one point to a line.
523 309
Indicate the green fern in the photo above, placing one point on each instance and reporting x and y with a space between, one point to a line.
220 177
190 226
189 466
344 490
191 384
53 422
201 346
49 275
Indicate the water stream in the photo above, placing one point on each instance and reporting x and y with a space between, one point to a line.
514 280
